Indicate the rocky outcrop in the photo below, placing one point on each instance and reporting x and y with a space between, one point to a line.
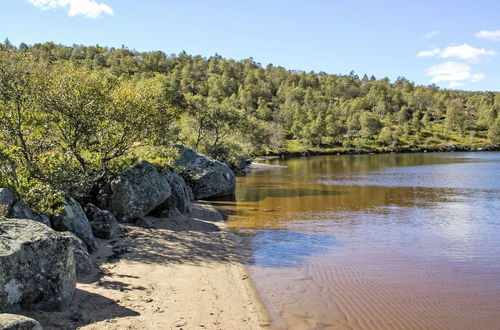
73 219
180 201
37 268
18 322
103 222
136 192
11 207
207 177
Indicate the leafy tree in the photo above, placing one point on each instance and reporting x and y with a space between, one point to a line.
21 123
370 124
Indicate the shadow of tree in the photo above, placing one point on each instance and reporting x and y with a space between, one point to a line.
117 285
190 239
98 308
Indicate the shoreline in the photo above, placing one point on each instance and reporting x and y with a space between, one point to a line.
180 273
309 153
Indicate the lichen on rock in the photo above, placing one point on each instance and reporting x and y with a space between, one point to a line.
37 267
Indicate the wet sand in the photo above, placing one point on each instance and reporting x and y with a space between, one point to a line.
182 273
366 293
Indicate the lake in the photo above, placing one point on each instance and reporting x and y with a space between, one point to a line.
392 241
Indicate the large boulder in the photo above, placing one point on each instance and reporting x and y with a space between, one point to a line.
136 192
37 268
18 322
83 261
11 207
207 177
180 200
73 219
103 222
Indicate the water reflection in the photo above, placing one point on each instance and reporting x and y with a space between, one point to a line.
286 248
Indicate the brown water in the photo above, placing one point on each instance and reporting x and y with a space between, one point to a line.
408 241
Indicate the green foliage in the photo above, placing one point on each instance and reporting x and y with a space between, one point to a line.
73 117
370 124
494 132
42 197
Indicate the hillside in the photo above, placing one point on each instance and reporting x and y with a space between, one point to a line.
73 116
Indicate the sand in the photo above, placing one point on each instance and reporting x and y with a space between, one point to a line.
182 273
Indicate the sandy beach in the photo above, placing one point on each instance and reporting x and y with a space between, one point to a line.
181 273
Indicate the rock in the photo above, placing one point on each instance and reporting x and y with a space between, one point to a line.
37 267
103 222
167 210
6 201
180 200
20 210
11 207
122 246
136 192
207 177
144 223
18 322
190 192
83 262
73 219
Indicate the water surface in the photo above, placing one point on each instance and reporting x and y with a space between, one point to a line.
396 241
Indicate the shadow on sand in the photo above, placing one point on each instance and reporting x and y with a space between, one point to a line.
98 308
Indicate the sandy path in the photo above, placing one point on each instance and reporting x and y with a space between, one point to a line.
184 273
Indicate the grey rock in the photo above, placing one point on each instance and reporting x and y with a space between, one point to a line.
122 246
6 201
190 192
37 267
180 200
73 219
167 210
103 222
144 223
18 322
136 192
83 261
11 207
208 178
41 218
20 210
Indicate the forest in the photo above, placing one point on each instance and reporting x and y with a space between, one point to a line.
72 117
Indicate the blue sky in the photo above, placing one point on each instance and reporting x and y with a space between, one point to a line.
426 41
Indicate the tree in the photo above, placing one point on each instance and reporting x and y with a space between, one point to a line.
494 132
370 124
456 116
22 127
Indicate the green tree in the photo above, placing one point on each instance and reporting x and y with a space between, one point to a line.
370 124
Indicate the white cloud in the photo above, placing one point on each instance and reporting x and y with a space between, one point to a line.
464 52
467 53
88 8
490 35
429 53
429 35
455 84
453 72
